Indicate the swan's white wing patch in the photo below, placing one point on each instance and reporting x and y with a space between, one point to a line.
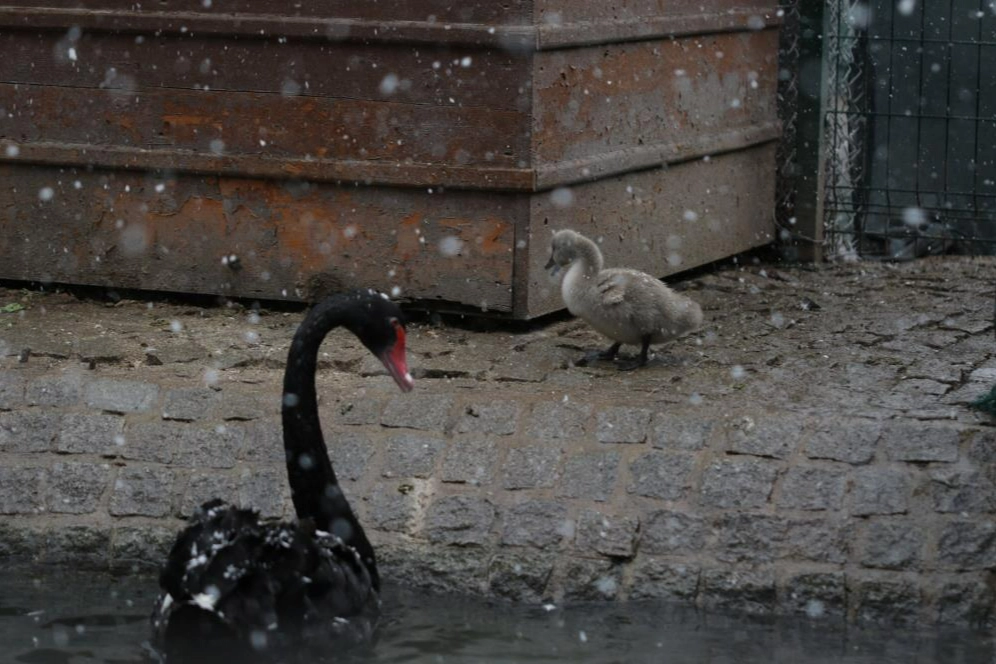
207 599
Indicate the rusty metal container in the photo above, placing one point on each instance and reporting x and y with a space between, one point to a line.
257 149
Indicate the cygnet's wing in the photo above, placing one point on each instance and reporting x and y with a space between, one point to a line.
612 286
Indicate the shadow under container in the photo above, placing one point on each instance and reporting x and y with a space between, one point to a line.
427 145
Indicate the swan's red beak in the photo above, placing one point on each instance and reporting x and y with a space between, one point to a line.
396 362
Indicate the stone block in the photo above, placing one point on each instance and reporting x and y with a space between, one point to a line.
955 489
590 475
666 532
60 390
496 418
243 407
142 491
558 420
460 520
774 435
390 507
849 440
152 441
121 396
812 488
919 441
469 461
357 412
82 547
680 432
964 603
740 483
264 489
586 580
435 569
76 488
967 545
141 548
350 451
520 578
878 600
411 455
91 433
188 404
891 544
816 595
880 490
11 389
532 467
21 489
752 538
202 487
622 424
262 441
28 430
742 591
175 352
607 534
427 412
19 542
538 523
817 540
661 475
660 580
106 349
198 446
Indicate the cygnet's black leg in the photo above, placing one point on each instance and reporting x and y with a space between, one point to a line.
641 360
607 354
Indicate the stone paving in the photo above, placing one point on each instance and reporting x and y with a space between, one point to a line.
809 451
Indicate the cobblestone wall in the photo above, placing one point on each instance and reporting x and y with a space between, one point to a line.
864 491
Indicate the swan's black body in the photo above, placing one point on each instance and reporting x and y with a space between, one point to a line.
234 586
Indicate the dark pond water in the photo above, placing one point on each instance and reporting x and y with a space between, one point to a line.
60 617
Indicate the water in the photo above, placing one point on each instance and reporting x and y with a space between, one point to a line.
59 617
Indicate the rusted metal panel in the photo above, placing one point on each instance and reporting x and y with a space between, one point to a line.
600 110
436 76
454 117
661 221
177 232
516 26
145 143
436 11
572 23
268 135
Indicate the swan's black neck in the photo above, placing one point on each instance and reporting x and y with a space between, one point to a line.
314 487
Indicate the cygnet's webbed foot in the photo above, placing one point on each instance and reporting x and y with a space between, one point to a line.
641 360
600 355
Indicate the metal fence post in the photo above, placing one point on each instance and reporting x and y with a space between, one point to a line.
806 234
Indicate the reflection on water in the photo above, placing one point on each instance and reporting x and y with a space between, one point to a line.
58 617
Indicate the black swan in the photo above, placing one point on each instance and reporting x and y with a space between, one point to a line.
234 586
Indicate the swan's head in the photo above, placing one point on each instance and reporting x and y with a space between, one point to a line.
563 250
380 325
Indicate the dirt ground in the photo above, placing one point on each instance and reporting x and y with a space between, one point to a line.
846 336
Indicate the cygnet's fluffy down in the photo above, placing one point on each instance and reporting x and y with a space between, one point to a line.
627 306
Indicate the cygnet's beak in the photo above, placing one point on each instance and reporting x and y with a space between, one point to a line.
552 266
